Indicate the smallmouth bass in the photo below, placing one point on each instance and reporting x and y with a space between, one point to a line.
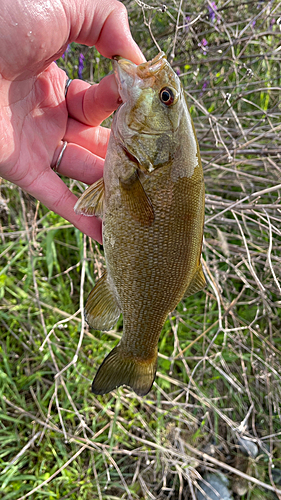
151 200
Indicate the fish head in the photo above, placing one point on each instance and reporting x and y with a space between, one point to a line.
149 117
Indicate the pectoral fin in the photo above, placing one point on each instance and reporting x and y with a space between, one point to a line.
136 200
91 201
197 283
101 309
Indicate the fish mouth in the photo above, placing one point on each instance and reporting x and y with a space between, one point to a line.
142 71
123 67
150 68
130 76
125 73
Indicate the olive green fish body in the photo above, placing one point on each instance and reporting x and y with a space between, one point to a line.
153 216
152 266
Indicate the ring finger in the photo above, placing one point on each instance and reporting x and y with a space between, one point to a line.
78 163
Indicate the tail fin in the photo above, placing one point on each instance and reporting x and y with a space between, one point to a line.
117 369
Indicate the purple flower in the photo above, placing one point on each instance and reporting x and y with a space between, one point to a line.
203 44
80 66
272 22
186 27
177 70
204 87
67 50
212 11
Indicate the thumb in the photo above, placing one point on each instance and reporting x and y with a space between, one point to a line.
105 25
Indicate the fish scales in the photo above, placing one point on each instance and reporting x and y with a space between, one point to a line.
153 216
156 255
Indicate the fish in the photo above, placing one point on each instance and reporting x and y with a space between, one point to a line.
151 200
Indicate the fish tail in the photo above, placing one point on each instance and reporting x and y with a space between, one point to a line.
118 369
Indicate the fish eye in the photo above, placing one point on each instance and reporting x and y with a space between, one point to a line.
167 96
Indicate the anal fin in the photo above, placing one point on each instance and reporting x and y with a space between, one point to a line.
197 283
91 201
120 369
101 309
136 200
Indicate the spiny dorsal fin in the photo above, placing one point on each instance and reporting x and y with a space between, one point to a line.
197 283
91 201
136 200
101 309
118 369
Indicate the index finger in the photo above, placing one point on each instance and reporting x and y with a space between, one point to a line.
92 104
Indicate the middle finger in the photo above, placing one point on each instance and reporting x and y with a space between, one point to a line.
95 139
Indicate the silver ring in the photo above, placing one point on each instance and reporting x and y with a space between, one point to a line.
58 162
68 82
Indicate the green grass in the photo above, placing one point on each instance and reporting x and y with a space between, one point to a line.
219 365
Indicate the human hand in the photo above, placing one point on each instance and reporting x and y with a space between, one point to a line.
35 117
